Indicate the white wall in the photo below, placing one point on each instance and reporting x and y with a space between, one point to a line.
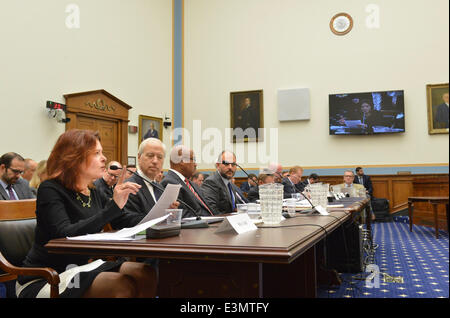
124 47
239 45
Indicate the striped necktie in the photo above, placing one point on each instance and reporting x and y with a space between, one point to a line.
11 192
197 196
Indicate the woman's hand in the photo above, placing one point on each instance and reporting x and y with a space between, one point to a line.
122 190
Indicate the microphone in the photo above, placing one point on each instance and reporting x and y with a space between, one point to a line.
306 197
227 163
198 223
308 211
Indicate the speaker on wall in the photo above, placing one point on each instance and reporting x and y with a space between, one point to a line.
293 104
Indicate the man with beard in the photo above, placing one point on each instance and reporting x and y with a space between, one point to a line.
220 194
12 187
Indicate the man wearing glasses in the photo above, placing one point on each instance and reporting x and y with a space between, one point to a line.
106 183
12 186
220 193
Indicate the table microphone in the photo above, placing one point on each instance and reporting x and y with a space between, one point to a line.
198 223
227 163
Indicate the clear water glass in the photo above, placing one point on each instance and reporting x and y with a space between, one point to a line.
271 200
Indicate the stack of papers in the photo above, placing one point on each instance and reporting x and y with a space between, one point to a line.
125 234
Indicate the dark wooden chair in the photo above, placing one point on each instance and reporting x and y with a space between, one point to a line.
17 225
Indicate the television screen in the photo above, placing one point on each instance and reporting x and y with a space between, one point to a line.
367 113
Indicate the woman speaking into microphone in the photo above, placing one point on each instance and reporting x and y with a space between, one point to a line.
68 205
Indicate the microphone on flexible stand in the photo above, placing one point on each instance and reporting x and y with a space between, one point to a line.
309 211
227 163
198 223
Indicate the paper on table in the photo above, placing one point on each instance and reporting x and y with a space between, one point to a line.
169 196
123 234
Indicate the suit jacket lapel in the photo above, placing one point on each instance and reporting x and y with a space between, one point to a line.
224 187
19 191
145 192
199 193
5 196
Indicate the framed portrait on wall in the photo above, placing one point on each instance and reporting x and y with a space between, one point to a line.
150 127
438 108
246 115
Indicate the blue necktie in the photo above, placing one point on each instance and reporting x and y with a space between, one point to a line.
233 204
10 192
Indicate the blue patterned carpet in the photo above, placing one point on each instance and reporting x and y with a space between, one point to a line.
418 257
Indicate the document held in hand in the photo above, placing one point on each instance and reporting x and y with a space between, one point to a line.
169 196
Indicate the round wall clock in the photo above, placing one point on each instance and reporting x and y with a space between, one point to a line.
341 23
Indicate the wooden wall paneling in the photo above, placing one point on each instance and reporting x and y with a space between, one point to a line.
397 188
436 185
402 188
381 187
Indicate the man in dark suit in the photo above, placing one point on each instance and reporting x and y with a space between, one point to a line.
440 119
150 160
361 178
313 178
295 176
248 117
106 183
220 193
182 167
253 194
152 132
12 186
250 183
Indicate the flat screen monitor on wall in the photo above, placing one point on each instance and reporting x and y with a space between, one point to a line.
367 113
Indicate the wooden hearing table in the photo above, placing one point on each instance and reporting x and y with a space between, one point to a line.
271 261
434 202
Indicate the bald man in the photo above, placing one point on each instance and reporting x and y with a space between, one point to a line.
220 193
30 168
106 183
182 168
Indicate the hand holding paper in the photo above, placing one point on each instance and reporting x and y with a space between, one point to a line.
166 201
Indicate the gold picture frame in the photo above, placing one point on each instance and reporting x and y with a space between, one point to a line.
246 113
438 109
144 127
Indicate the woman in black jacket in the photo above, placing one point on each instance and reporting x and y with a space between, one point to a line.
68 205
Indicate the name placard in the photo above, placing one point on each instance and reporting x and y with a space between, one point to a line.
239 223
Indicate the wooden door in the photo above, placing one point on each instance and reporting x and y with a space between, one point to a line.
108 130
99 110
